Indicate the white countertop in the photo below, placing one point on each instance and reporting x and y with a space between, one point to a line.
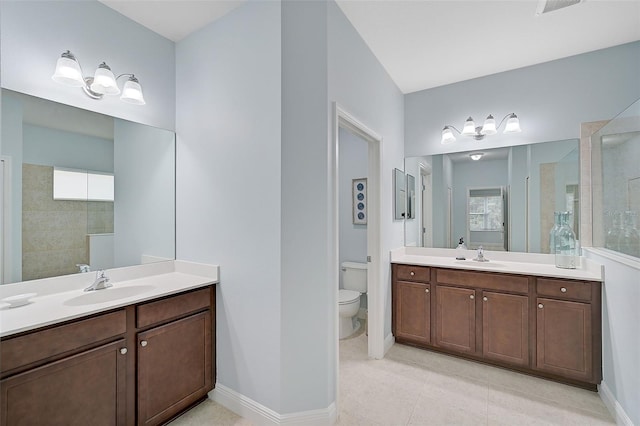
62 298
542 265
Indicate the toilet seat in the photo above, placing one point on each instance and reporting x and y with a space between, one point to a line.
347 296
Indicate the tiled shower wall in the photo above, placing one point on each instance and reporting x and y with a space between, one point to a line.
54 233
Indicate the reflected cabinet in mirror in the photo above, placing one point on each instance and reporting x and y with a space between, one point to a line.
82 191
503 200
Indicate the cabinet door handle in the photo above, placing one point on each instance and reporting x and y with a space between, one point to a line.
426 290
143 343
485 298
563 289
472 297
540 305
123 351
412 273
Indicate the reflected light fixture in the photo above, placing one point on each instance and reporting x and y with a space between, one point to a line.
104 82
478 133
475 156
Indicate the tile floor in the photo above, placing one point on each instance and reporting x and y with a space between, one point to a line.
415 387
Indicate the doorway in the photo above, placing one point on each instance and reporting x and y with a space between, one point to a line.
426 197
375 300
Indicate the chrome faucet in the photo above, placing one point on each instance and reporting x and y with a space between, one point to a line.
101 282
480 257
83 267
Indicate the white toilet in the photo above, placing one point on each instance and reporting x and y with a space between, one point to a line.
354 281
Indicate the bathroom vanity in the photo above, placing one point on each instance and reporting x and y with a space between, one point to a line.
138 359
524 315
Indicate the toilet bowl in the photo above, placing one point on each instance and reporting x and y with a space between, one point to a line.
354 282
348 307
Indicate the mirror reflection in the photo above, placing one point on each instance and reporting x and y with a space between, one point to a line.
82 191
400 194
502 199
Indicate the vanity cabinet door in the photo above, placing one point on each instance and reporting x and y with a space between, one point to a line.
412 304
174 367
505 327
85 389
564 338
456 319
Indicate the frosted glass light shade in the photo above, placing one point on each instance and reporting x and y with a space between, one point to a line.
469 128
68 71
513 125
447 136
489 127
132 92
104 81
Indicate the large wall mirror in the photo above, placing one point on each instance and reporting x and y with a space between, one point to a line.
46 235
502 199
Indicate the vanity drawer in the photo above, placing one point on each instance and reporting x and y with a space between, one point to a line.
29 348
486 280
173 307
413 273
575 290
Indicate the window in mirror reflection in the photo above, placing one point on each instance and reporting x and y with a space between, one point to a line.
615 166
486 219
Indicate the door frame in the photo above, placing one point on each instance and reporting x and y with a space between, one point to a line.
6 247
426 215
375 318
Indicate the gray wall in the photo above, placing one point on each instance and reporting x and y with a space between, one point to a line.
228 187
551 99
52 147
33 34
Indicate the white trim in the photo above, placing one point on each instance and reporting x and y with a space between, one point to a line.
615 256
6 228
259 414
389 342
614 407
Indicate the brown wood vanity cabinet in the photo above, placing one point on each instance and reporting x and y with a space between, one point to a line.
142 364
543 326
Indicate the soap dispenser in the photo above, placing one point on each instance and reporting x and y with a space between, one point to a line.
461 250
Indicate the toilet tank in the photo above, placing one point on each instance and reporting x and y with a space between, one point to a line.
354 276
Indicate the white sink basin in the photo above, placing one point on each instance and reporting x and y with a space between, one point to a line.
108 294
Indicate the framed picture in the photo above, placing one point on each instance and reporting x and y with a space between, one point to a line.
359 201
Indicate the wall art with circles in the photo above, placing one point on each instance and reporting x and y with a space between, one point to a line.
359 208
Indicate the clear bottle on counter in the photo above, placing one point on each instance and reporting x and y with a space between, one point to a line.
565 244
552 233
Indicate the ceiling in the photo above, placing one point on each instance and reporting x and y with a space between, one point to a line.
424 43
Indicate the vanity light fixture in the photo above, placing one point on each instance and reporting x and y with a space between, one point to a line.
478 133
475 156
104 82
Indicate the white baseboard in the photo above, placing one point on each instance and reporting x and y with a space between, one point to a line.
388 342
613 405
259 414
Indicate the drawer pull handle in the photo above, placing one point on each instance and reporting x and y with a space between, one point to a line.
540 305
485 298
426 290
563 289
143 343
471 297
123 351
412 273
